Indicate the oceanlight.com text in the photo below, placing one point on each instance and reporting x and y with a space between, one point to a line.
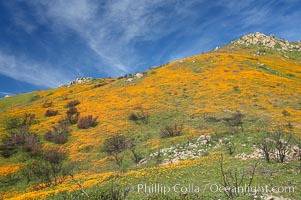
213 188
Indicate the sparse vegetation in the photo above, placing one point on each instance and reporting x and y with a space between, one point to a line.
18 122
47 104
35 98
50 113
230 147
235 122
72 115
234 180
87 122
285 113
58 134
13 123
276 144
136 156
51 167
282 141
171 131
71 104
266 147
115 146
19 137
140 117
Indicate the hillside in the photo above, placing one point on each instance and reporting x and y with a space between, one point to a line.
227 99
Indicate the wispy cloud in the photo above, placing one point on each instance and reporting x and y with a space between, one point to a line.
6 93
19 17
39 74
113 28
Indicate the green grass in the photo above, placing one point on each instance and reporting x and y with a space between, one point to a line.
201 175
204 179
15 101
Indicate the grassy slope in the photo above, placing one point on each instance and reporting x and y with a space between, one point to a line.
215 83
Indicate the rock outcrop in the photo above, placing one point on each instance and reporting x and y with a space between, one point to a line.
268 41
78 81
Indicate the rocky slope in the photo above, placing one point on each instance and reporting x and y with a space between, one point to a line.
271 41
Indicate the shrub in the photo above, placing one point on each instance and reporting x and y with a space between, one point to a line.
64 97
236 88
267 147
236 178
235 121
209 118
60 139
32 144
58 135
87 122
133 117
20 139
54 155
140 117
282 143
276 144
72 115
298 150
72 103
50 167
50 113
230 147
29 119
136 156
171 131
18 122
35 98
9 180
47 104
13 123
158 156
114 146
49 136
285 113
7 150
99 85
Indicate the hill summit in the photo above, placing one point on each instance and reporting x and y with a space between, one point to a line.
268 41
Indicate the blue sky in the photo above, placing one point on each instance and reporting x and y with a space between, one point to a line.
47 43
